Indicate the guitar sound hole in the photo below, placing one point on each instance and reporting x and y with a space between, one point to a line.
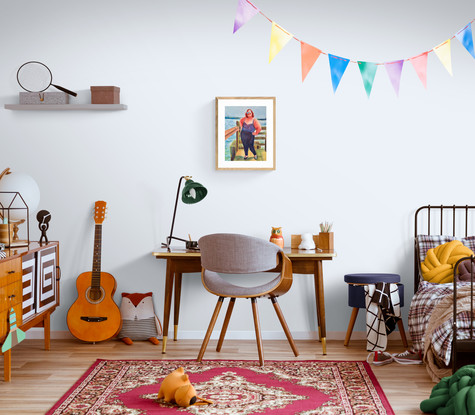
95 294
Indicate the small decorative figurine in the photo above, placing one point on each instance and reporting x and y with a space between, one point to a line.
276 237
307 241
43 217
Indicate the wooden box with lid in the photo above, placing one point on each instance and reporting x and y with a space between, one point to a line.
105 95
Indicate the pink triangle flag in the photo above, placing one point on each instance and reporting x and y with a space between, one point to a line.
245 12
394 70
310 55
420 65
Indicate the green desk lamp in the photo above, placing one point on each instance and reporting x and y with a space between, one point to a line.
193 192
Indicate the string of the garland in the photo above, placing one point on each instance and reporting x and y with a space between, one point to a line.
325 53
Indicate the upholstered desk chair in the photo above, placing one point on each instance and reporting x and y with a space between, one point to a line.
225 253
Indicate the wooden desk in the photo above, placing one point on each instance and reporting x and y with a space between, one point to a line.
181 261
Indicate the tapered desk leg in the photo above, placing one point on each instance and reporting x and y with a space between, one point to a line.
167 305
320 298
176 302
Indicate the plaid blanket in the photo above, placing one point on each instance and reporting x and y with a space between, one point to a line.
420 311
382 312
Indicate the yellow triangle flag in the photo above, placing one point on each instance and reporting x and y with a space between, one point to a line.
443 53
278 39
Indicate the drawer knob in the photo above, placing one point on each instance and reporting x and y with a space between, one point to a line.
12 296
11 272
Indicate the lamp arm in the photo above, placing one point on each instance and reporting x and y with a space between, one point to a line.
170 237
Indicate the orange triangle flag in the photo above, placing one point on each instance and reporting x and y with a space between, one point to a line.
310 55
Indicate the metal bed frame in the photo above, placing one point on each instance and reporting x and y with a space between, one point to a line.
463 350
441 213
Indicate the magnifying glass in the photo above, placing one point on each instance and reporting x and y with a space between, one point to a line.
35 76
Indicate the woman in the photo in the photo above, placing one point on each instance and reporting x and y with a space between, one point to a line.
250 127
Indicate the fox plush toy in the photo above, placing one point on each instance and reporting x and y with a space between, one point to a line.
139 321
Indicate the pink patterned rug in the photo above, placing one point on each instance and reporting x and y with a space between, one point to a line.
130 387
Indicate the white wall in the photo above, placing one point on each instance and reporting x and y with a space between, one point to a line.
365 165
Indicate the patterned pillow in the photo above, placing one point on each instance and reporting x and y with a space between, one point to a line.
427 242
469 242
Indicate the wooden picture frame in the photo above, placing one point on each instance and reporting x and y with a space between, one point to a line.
235 136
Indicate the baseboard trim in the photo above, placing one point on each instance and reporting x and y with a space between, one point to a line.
38 333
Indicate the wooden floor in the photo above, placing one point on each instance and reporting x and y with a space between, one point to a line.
40 378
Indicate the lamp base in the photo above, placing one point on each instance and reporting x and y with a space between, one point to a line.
192 245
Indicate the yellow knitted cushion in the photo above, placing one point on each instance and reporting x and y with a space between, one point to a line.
438 267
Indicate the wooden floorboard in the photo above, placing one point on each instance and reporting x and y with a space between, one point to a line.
40 377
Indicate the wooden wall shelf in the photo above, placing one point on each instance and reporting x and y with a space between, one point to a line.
66 107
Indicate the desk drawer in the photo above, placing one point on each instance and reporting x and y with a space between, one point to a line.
10 271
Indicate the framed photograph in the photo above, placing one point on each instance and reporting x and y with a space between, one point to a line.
245 133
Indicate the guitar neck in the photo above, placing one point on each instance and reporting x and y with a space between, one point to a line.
96 260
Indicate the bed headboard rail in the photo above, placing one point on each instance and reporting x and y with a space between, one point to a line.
454 220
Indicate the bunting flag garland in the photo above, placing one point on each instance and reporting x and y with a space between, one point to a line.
394 70
278 39
309 54
245 12
420 65
466 38
337 68
368 72
443 53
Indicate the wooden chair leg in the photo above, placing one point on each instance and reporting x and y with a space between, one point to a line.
258 330
284 325
402 332
210 328
354 314
225 324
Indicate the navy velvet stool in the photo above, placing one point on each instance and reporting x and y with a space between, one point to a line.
356 297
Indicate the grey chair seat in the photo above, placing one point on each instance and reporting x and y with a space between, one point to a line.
223 254
214 283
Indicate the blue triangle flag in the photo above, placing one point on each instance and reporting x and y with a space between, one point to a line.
337 68
466 38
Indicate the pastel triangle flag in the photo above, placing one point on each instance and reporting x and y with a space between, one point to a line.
278 39
443 53
310 55
466 38
394 70
368 72
420 65
337 68
245 12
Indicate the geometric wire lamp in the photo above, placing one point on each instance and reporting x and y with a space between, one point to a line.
193 192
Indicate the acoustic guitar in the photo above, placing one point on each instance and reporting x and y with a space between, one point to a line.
94 316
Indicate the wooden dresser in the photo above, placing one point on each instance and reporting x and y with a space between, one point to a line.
29 282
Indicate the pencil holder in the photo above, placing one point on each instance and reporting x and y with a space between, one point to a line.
325 240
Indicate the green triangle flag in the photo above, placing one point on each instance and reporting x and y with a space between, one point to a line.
368 72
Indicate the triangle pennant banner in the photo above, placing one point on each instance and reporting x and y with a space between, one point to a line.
420 65
368 72
245 12
443 53
310 55
394 70
278 39
466 38
337 68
